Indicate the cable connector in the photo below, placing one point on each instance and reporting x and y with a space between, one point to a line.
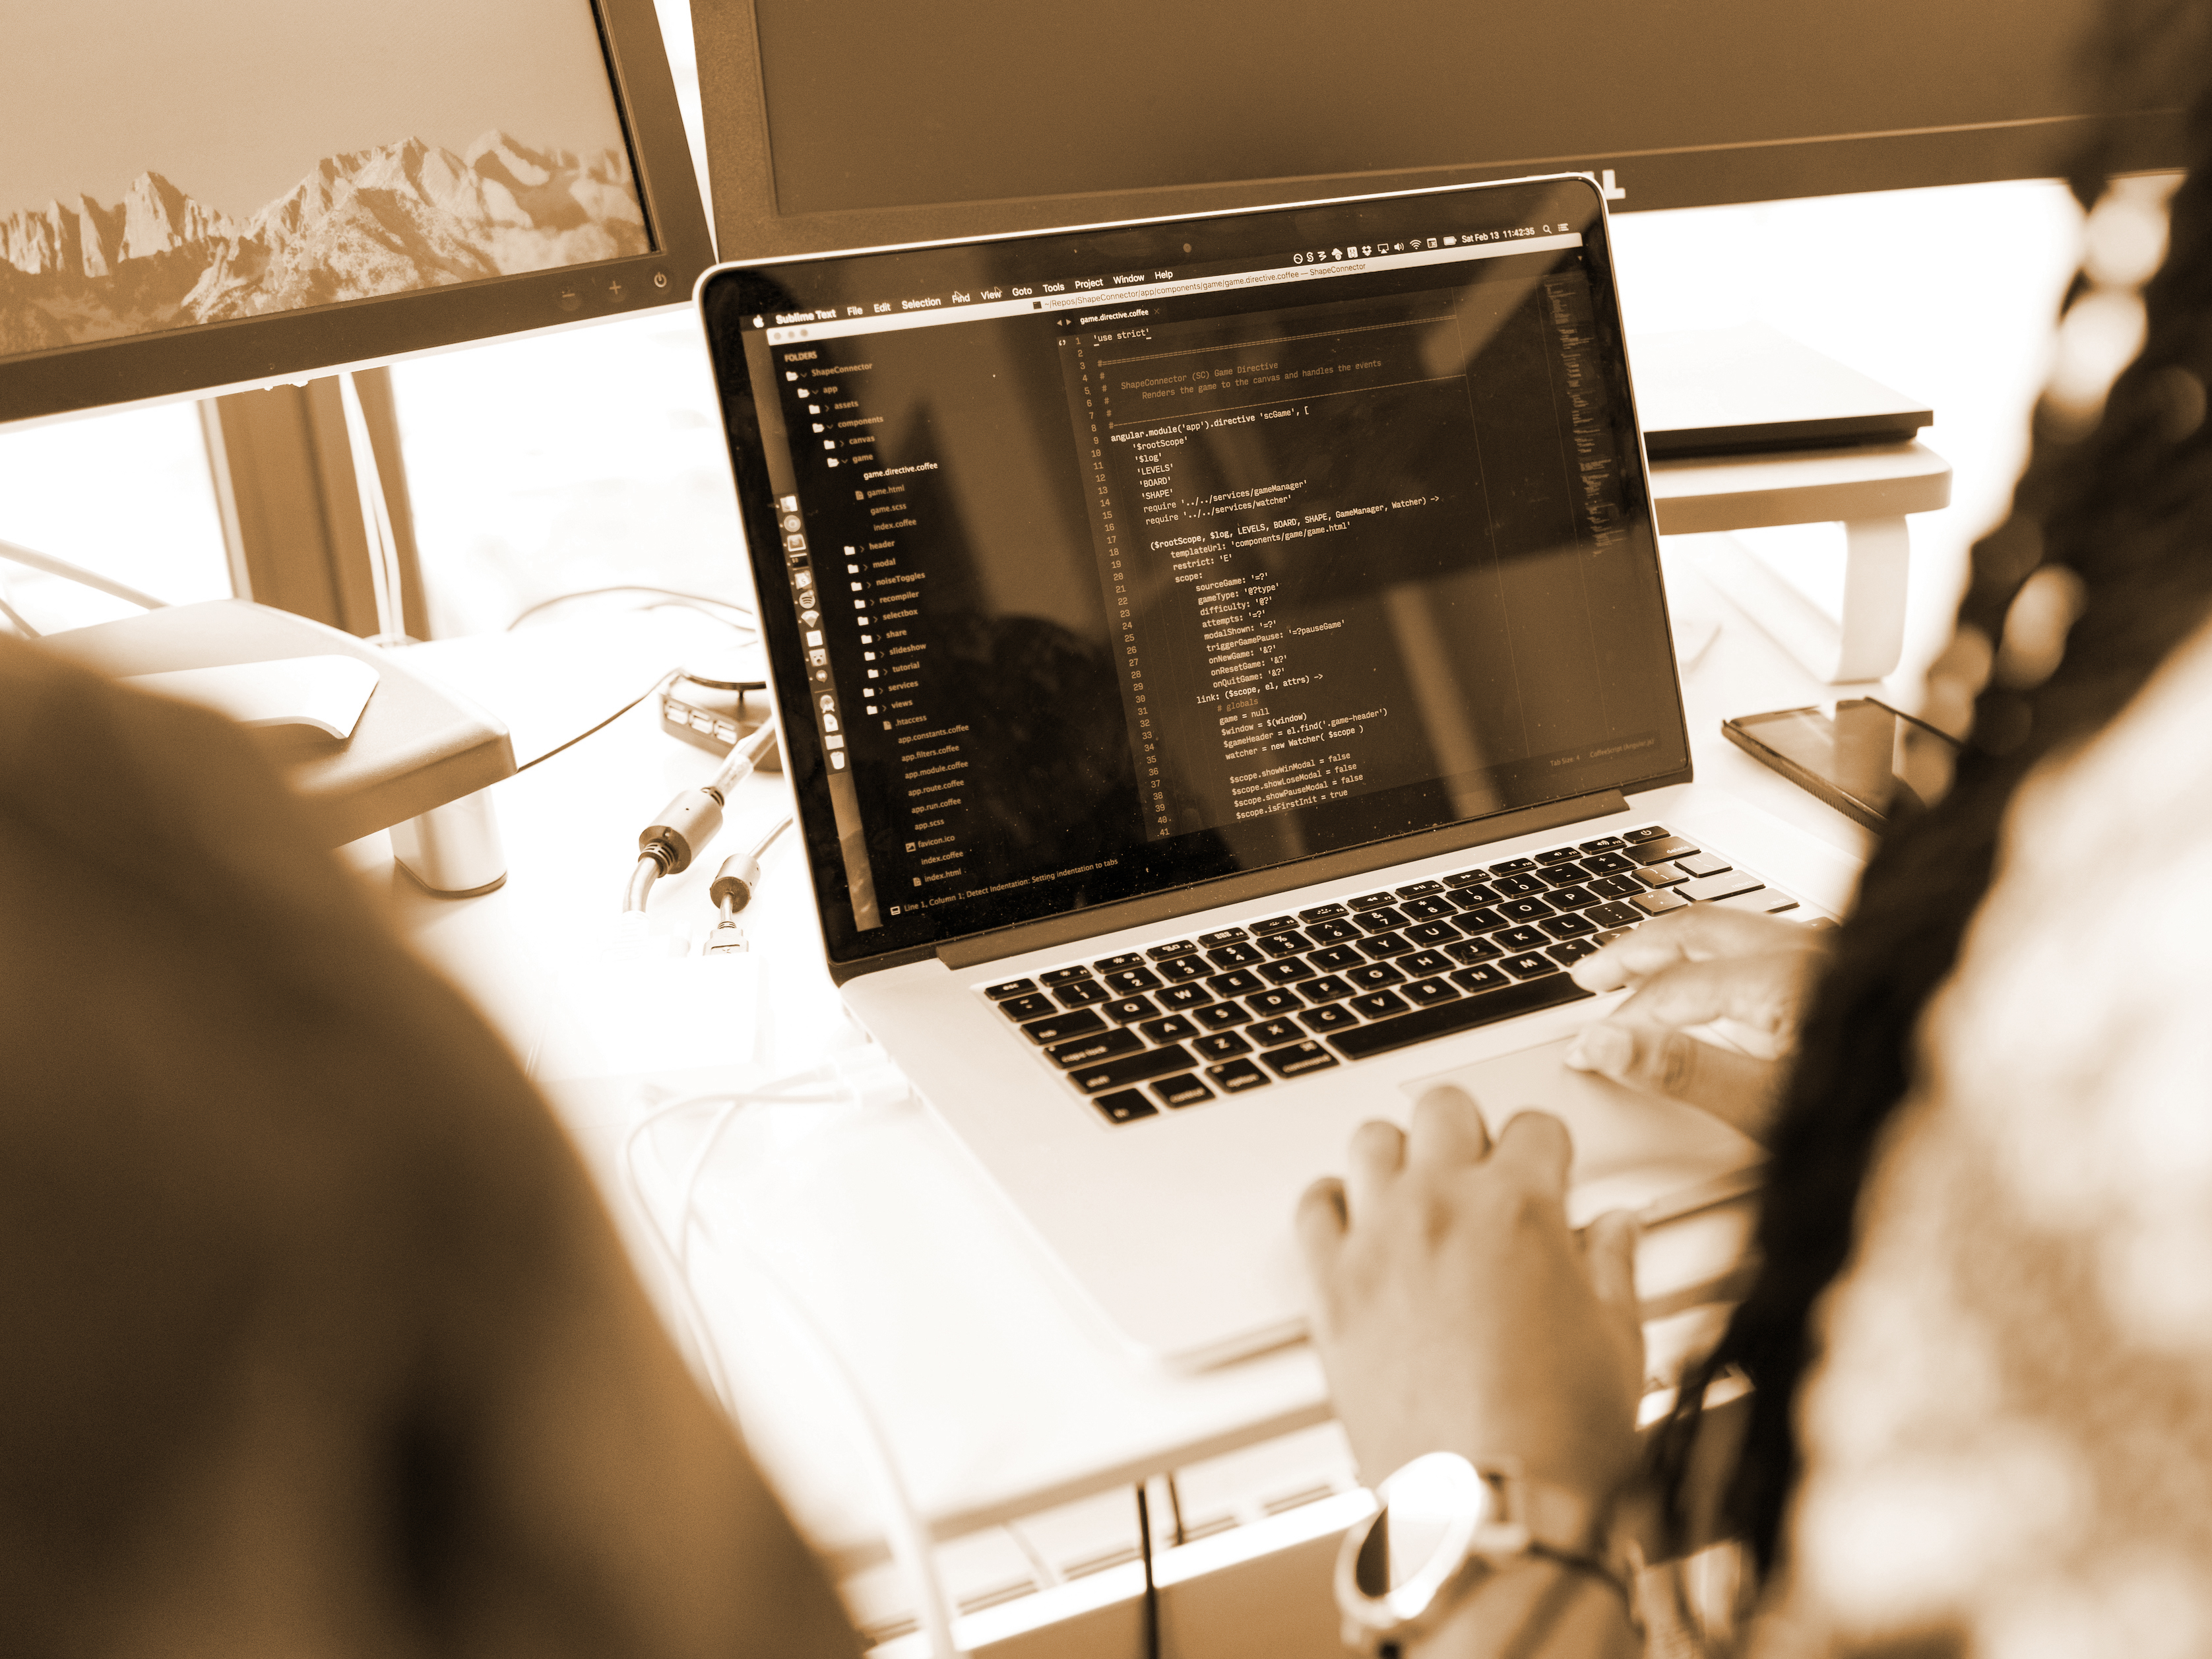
874 1081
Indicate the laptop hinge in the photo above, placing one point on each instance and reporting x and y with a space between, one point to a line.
1159 907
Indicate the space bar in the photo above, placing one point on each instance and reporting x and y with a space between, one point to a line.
1465 1014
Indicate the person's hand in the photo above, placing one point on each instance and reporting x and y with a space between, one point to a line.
1688 967
1455 1309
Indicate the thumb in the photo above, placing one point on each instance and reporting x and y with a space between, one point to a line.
1610 1254
1734 1087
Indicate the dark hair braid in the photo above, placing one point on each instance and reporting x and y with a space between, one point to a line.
2127 505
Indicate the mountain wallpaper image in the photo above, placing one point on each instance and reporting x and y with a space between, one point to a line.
383 220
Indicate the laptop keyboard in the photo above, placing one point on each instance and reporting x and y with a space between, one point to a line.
1190 1019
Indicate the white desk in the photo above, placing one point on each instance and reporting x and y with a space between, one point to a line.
1003 1395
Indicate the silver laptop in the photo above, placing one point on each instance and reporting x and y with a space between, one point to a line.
1214 657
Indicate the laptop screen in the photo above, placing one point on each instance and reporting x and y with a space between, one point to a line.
1099 562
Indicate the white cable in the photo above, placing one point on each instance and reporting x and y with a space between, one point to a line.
17 553
911 1546
744 756
384 577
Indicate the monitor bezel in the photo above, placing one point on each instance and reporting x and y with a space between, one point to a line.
209 359
751 227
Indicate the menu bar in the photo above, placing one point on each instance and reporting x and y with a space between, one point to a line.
1109 297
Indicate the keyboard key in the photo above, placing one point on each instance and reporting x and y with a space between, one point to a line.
1235 1077
1427 993
1649 833
1658 904
1422 963
1173 947
1329 1016
1106 1046
1129 980
1124 1106
1608 863
1420 889
1525 910
1615 915
1179 997
1122 1010
1221 1046
1467 878
1603 843
1174 1028
1026 1008
1719 887
1476 893
1371 900
1128 1069
1556 856
1296 1059
1272 1004
1060 976
1286 944
1215 1017
1237 954
1336 958
1481 977
1519 887
1058 1028
1265 925
1427 910
1181 970
1520 938
1569 951
1616 887
1483 918
1473 950
1321 913
1567 877
1702 863
1386 919
1185 1090
1373 976
1513 867
1287 971
1612 933
1127 958
1387 944
1329 988
1462 1014
1529 966
1007 988
1332 933
1765 901
1375 1005
1652 853
1571 899
1227 935
1661 875
1268 1033
1080 993
1237 982
1567 927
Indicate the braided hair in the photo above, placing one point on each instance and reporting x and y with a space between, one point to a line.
2118 491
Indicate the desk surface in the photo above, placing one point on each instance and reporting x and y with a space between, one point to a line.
1002 1393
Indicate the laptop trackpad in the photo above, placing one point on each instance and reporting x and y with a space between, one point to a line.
1633 1150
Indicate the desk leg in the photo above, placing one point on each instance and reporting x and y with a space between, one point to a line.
1866 642
454 850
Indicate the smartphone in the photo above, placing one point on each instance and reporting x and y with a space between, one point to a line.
1851 755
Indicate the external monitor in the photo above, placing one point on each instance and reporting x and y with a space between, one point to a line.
835 125
202 197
